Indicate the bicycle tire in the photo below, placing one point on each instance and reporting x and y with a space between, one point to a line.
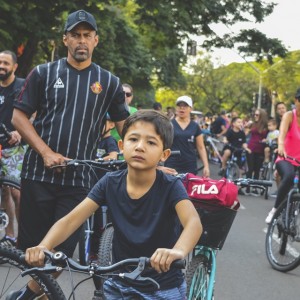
233 172
282 246
84 246
10 181
197 277
104 254
11 256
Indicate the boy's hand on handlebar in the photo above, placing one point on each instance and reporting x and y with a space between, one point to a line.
162 258
35 256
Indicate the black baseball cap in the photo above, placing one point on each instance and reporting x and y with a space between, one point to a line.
78 17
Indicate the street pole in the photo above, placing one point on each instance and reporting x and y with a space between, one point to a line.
259 90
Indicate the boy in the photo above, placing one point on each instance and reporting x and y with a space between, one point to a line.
235 139
146 206
271 138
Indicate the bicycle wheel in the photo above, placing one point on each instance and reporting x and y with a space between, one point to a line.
84 244
11 279
104 253
197 277
233 172
282 244
10 182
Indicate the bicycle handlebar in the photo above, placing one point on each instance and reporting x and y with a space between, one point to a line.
55 262
245 182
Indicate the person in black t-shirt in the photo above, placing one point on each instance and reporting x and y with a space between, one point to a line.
235 139
13 154
152 216
71 97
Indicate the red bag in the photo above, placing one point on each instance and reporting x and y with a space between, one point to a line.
219 192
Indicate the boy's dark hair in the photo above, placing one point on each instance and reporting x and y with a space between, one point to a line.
272 121
278 103
234 119
161 123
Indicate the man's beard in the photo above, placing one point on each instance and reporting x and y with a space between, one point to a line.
3 77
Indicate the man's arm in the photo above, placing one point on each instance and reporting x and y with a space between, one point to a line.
21 122
119 126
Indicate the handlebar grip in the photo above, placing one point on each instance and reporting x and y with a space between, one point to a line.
261 182
179 264
5 131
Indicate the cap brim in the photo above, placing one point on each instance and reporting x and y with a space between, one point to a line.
79 22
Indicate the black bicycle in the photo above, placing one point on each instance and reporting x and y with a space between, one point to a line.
131 271
283 235
5 181
267 170
85 240
237 161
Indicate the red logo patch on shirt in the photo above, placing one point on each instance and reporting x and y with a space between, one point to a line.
96 87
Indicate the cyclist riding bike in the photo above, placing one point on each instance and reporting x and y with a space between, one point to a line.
235 139
288 145
12 155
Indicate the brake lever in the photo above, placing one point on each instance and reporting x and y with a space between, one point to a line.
135 275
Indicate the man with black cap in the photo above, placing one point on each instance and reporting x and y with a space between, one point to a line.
71 98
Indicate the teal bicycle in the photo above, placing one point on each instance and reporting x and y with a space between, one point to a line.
201 262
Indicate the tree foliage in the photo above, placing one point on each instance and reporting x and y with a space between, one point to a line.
140 40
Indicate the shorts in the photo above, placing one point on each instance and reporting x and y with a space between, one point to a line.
115 290
41 205
12 160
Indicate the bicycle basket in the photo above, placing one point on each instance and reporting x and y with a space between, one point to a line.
216 221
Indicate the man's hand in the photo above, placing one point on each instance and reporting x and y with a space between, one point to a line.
15 138
52 159
167 170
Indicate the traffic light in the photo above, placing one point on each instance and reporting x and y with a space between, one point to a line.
191 48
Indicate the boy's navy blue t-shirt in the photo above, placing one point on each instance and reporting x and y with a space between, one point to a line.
184 141
143 225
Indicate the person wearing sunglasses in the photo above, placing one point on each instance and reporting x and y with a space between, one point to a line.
258 132
128 90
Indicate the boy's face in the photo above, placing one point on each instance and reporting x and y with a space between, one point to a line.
271 126
143 147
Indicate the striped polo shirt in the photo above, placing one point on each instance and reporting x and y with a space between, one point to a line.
71 106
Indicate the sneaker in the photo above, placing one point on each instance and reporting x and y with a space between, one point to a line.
270 216
221 172
8 242
273 195
23 294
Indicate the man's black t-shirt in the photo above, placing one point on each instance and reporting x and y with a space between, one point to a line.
145 224
7 96
71 108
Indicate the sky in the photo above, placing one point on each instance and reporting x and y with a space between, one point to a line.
282 24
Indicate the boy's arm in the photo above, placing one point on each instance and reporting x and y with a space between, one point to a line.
61 230
192 230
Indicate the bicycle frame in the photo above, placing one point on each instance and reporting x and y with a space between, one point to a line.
211 141
210 253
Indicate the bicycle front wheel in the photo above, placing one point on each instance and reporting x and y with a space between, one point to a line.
233 172
11 279
197 278
283 244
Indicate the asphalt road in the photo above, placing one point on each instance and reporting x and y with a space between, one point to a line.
243 272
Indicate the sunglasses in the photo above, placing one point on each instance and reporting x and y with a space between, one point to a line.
128 94
256 115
